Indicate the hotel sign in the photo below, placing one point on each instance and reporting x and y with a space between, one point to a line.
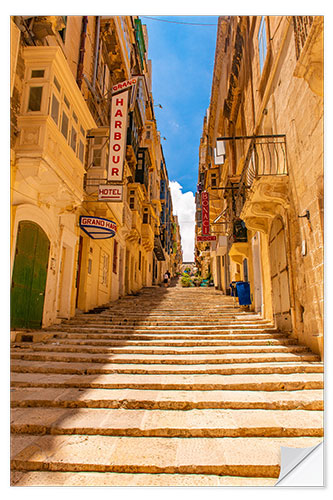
205 213
110 193
118 133
98 228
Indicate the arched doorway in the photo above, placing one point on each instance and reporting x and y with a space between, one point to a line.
280 276
29 276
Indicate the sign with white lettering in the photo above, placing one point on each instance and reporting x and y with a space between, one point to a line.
98 228
205 213
118 132
110 193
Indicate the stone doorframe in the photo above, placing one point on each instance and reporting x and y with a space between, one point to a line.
268 198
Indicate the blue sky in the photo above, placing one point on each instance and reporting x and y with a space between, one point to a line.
182 67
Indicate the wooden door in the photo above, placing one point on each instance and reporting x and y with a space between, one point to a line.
29 276
280 276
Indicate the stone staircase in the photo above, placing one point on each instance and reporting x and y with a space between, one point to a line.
173 387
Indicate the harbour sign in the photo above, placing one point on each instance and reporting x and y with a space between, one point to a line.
98 228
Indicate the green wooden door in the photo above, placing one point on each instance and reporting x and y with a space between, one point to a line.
29 276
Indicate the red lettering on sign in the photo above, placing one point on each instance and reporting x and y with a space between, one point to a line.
116 147
119 102
115 159
205 213
117 136
118 113
115 171
117 124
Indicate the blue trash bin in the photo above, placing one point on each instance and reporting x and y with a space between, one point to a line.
243 293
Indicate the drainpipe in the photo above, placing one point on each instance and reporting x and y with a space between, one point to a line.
79 74
98 28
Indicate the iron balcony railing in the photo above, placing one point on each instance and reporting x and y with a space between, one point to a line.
266 156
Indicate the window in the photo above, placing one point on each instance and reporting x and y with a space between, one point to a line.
81 151
97 156
213 180
37 73
57 84
64 125
73 139
66 101
262 41
132 203
35 98
55 109
145 216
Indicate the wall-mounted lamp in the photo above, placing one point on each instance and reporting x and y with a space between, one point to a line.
307 216
219 152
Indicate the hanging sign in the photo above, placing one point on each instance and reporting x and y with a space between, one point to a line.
118 133
205 213
98 228
124 85
206 238
110 193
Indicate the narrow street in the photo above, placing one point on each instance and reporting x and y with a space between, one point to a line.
169 387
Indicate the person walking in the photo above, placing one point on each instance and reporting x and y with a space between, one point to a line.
166 279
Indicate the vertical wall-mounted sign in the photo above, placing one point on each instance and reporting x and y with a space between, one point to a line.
118 133
205 213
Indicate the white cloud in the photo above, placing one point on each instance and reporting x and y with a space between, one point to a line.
184 208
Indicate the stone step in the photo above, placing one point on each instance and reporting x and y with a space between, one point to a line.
173 336
165 399
118 330
167 423
158 327
252 457
83 479
111 342
145 350
23 366
163 358
262 382
210 320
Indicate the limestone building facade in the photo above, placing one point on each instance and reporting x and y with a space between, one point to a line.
65 72
261 161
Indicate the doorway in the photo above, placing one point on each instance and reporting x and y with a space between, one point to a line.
280 276
257 275
29 276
